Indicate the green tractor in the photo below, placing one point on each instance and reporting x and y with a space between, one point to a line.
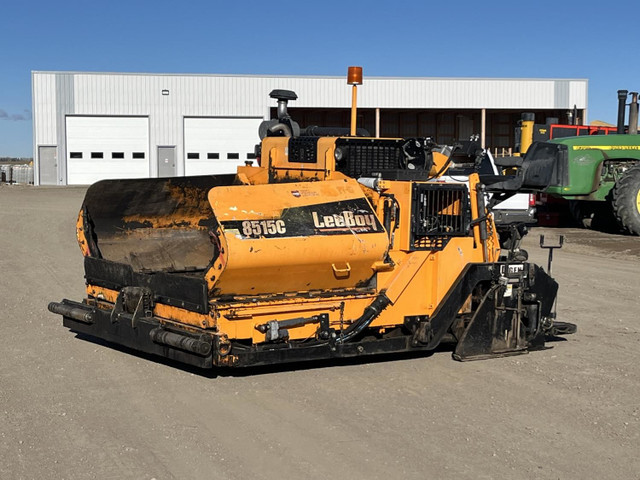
599 174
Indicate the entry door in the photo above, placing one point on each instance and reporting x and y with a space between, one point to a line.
48 165
167 162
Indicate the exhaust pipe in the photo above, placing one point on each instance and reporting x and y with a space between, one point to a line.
284 125
283 97
622 100
633 114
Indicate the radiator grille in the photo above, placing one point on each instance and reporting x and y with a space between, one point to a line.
303 149
439 212
361 157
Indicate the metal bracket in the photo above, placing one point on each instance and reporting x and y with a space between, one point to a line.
116 313
324 332
551 248
141 297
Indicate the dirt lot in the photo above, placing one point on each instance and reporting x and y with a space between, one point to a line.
74 409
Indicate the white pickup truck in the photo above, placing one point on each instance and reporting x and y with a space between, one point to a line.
513 215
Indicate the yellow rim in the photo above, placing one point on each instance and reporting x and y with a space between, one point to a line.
638 201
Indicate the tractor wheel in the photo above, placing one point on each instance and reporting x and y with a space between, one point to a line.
625 198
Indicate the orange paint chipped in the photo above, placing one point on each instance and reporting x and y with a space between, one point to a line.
80 235
160 310
102 293
183 316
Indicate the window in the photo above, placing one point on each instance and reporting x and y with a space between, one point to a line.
97 155
117 154
213 156
75 155
233 156
138 155
193 156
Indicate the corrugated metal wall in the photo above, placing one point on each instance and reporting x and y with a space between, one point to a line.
58 94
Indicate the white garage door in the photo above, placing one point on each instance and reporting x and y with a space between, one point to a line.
106 147
218 145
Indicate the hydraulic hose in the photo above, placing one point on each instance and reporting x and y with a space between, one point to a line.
442 170
369 315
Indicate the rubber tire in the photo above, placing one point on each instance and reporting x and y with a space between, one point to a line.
625 200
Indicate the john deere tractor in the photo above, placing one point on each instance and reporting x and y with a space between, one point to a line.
599 174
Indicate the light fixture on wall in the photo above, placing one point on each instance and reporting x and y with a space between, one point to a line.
165 92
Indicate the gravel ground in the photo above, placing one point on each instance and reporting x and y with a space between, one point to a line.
75 409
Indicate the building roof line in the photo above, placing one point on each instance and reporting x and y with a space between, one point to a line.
311 77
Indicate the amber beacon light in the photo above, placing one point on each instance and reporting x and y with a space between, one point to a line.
354 78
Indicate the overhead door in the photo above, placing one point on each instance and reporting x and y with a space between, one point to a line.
218 145
106 147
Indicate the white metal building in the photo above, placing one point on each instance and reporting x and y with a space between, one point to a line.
91 126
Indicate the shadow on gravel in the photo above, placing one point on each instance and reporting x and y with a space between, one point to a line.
267 369
287 367
555 339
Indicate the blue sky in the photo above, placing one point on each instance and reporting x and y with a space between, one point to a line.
545 39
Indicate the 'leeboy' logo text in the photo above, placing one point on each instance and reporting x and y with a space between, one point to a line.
345 221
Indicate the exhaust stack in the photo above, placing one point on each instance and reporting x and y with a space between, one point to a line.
622 100
633 114
283 97
283 125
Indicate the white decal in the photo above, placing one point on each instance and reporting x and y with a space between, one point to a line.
346 219
256 228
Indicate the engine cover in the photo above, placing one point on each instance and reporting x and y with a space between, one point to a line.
294 237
